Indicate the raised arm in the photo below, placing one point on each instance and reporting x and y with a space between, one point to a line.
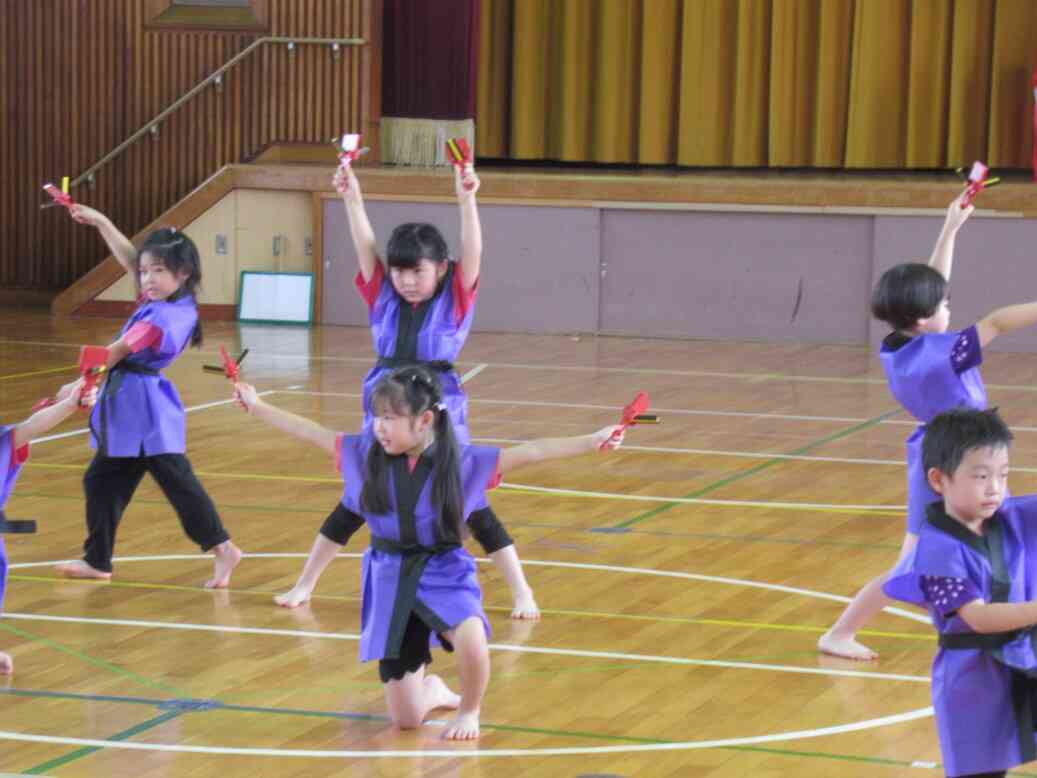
986 617
942 257
48 418
1004 320
300 427
558 448
471 229
347 185
118 243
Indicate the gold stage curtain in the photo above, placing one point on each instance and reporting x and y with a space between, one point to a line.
756 83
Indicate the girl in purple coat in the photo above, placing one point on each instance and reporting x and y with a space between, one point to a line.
929 370
420 313
971 568
416 487
14 450
138 425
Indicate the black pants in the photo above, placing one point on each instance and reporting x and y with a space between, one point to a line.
109 484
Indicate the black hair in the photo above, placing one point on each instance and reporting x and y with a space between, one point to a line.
906 293
953 434
414 241
179 254
410 391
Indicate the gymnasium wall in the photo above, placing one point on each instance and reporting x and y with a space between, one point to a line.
77 78
740 274
258 230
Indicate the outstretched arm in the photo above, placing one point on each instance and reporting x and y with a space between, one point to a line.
300 427
471 229
1004 320
346 183
985 617
48 418
558 448
942 257
118 243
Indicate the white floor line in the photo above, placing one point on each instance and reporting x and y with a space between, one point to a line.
817 506
576 368
910 615
473 373
771 738
884 721
504 647
191 409
748 454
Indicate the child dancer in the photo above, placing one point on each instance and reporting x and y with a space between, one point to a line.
421 316
14 450
137 425
970 569
929 370
415 486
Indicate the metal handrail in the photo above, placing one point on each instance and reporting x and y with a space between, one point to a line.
215 77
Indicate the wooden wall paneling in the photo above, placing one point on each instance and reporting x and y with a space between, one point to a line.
75 83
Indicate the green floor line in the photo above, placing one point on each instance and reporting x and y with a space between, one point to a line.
109 666
126 734
756 469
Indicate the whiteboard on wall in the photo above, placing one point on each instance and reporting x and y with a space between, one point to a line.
276 298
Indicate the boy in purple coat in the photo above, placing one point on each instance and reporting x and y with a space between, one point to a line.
929 370
972 569
416 488
14 451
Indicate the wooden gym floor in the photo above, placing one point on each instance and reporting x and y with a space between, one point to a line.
683 581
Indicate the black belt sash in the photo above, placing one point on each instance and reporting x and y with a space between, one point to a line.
110 388
16 526
413 560
435 365
1024 688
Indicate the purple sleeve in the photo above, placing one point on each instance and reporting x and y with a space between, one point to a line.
966 353
946 594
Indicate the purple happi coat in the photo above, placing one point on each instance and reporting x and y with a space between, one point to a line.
139 412
428 332
982 726
409 567
11 461
929 374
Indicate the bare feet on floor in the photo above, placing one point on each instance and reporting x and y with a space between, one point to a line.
845 647
6 664
525 607
227 557
80 569
437 695
294 598
465 726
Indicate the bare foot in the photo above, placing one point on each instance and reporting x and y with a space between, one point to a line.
525 607
464 726
6 664
437 695
227 557
845 647
80 569
294 598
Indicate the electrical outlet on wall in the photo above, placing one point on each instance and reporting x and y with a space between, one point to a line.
307 247
221 244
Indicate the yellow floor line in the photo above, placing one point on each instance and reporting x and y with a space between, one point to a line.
64 369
